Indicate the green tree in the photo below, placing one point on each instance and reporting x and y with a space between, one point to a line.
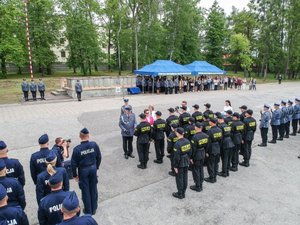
215 35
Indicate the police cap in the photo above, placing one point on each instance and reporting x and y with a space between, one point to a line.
43 139
219 115
2 145
127 107
158 113
229 112
199 125
142 116
3 192
276 104
213 120
207 105
196 106
56 178
266 106
237 115
290 102
244 107
283 102
71 202
126 100
180 130
171 110
84 131
297 99
250 112
174 125
192 119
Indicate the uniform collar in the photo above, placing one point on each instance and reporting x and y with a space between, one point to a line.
43 149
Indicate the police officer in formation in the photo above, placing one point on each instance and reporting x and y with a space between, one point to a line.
33 89
70 210
275 122
25 89
85 162
264 124
197 115
208 111
49 211
237 128
15 192
158 135
296 117
8 213
78 90
172 119
283 120
143 134
182 153
41 88
14 168
184 117
172 139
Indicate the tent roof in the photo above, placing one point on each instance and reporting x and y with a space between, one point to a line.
163 68
204 68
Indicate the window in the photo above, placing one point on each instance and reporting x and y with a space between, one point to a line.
63 54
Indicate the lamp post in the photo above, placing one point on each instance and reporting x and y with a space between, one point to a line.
28 39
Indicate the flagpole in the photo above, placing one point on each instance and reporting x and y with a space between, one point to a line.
28 38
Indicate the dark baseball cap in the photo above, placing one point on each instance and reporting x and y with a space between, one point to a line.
142 116
174 125
244 107
196 106
219 115
229 112
199 125
180 130
171 110
158 113
213 120
207 105
250 112
237 115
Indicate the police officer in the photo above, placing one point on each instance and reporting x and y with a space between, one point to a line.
171 86
150 83
176 84
127 124
25 89
158 86
275 122
197 114
206 125
213 150
70 210
42 184
184 117
15 192
182 153
49 211
243 109
250 128
158 135
41 88
296 116
14 168
228 117
38 159
85 162
190 129
143 134
172 119
283 120
208 111
33 89
78 90
199 146
126 103
227 145
166 86
172 139
290 118
238 128
139 83
264 125
12 214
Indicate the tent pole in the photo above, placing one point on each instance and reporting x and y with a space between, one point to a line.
143 83
152 85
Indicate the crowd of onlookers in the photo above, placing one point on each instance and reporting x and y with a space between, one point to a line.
179 84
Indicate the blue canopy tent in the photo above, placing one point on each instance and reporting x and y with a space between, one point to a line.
204 68
162 68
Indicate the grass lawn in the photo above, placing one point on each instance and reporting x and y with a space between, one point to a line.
10 88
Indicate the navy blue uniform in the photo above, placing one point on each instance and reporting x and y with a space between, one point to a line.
83 220
25 89
49 212
238 128
37 163
86 158
42 187
14 169
13 215
59 152
250 128
172 119
158 135
15 192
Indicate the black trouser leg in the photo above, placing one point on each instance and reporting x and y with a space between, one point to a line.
159 149
125 140
141 154
211 166
26 95
287 128
33 95
295 125
198 173
41 94
216 167
166 90
180 181
78 96
127 145
229 160
248 150
225 157
281 130
274 132
235 156
264 135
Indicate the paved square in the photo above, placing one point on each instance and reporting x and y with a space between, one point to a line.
268 192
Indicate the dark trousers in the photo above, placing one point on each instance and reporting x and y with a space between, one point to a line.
213 165
78 96
198 173
295 125
287 128
166 90
235 155
182 180
42 94
225 86
170 90
281 130
225 157
159 149
247 151
127 145
33 93
143 152
176 89
274 132
264 135
25 95
88 185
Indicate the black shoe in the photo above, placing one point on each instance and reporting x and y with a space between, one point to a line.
293 134
172 173
210 180
234 169
272 142
145 165
141 166
169 156
280 139
286 136
158 161
262 145
298 131
244 164
299 156
126 156
221 174
195 188
177 195
131 156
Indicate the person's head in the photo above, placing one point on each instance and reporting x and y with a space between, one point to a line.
184 103
297 100
158 114
227 103
127 109
235 116
143 116
266 107
70 205
249 113
198 127
290 103
213 122
56 181
3 149
219 117
151 108
196 107
59 141
78 81
229 113
183 108
126 101
207 106
243 108
276 105
40 79
32 80
3 196
24 79
205 117
283 103
84 134
179 132
171 111
191 120
146 112
51 160
44 141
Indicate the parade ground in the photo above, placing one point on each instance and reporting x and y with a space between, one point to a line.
267 192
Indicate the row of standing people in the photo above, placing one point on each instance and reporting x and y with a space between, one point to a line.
33 88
